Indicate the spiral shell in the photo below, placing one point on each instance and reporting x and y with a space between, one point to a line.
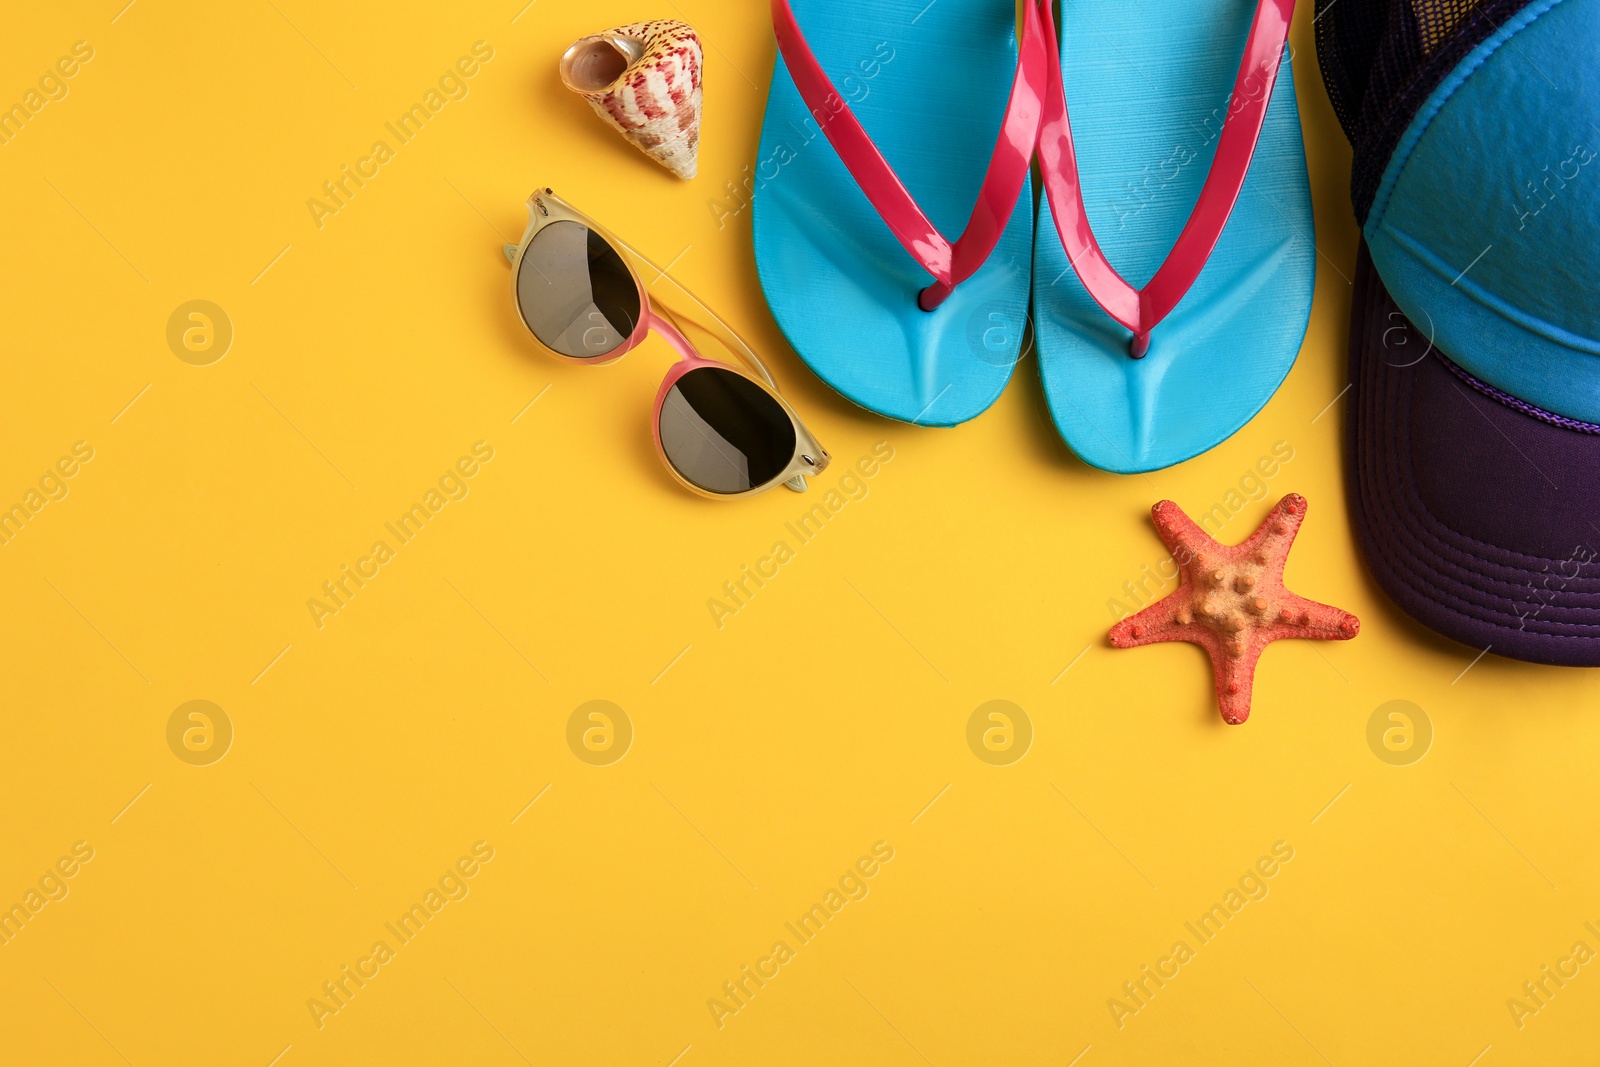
644 79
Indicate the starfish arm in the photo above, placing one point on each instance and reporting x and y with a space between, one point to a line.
1276 534
1235 677
1181 534
1151 626
1318 622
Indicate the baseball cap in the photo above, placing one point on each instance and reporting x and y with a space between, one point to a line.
1474 428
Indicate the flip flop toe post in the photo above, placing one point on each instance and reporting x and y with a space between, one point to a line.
1175 263
888 126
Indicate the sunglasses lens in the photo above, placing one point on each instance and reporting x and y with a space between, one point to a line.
575 292
723 432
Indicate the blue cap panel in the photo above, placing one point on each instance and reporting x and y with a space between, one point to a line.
1485 226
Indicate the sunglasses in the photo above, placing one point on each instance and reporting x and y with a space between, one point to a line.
721 431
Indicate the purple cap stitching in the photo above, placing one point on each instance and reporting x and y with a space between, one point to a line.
1523 406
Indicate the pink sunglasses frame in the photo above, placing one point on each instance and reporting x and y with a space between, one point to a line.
544 209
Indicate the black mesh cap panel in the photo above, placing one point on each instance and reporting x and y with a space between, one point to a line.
1381 58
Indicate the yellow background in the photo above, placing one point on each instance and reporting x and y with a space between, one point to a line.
769 754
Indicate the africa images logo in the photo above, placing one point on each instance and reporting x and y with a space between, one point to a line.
850 488
853 885
453 885
52 886
337 192
52 487
52 87
1253 885
339 591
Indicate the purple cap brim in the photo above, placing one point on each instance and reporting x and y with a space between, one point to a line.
1479 515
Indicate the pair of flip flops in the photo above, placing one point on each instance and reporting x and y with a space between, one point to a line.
1170 267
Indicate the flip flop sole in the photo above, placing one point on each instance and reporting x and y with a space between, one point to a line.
1147 97
929 82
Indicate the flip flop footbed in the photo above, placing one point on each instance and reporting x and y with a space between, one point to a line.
1147 95
929 83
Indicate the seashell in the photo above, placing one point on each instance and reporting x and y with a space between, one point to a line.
644 79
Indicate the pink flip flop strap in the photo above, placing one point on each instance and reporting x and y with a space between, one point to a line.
1141 309
950 263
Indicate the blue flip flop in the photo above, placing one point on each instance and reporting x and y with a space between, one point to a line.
848 237
1183 166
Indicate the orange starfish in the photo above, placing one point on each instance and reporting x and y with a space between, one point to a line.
1231 600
